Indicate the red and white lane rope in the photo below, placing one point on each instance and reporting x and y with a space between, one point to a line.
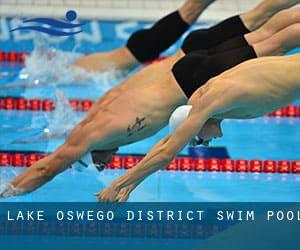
13 56
21 159
13 103
19 57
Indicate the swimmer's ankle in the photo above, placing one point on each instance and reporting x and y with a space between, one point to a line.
191 9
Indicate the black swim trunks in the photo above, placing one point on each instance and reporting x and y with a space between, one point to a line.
195 69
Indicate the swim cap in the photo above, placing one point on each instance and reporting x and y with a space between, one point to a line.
178 117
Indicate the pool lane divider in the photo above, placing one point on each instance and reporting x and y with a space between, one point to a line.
13 56
84 105
183 163
19 57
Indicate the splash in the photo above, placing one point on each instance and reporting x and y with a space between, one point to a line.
48 66
63 119
8 190
59 122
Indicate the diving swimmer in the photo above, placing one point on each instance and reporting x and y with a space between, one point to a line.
276 83
136 109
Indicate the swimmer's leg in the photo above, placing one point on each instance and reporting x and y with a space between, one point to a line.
256 17
279 43
147 44
280 21
233 29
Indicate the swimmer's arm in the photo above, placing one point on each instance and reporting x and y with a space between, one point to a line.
47 168
160 156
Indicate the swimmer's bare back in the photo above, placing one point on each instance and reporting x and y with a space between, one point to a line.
138 107
255 87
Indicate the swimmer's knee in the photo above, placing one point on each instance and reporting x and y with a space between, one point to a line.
44 172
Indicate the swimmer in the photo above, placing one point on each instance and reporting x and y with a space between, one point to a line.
147 44
276 83
138 108
278 22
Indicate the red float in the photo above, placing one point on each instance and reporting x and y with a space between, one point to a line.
116 163
9 103
214 165
284 167
12 56
241 166
173 166
279 112
270 166
35 104
75 104
200 164
296 167
48 105
2 56
256 166
21 104
5 159
228 165
31 159
18 160
86 105
292 111
186 164
130 162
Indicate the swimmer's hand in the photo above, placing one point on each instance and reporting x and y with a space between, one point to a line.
124 194
7 190
109 194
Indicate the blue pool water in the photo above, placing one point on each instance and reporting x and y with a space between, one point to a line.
263 138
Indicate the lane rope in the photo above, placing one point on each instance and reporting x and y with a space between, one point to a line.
84 105
26 159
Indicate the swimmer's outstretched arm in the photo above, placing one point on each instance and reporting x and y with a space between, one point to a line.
43 171
81 139
164 152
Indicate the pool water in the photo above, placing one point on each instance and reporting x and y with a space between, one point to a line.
263 138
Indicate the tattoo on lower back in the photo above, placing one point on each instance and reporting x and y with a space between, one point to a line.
137 126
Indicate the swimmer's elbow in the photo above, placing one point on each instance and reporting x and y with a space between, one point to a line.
61 159
45 173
